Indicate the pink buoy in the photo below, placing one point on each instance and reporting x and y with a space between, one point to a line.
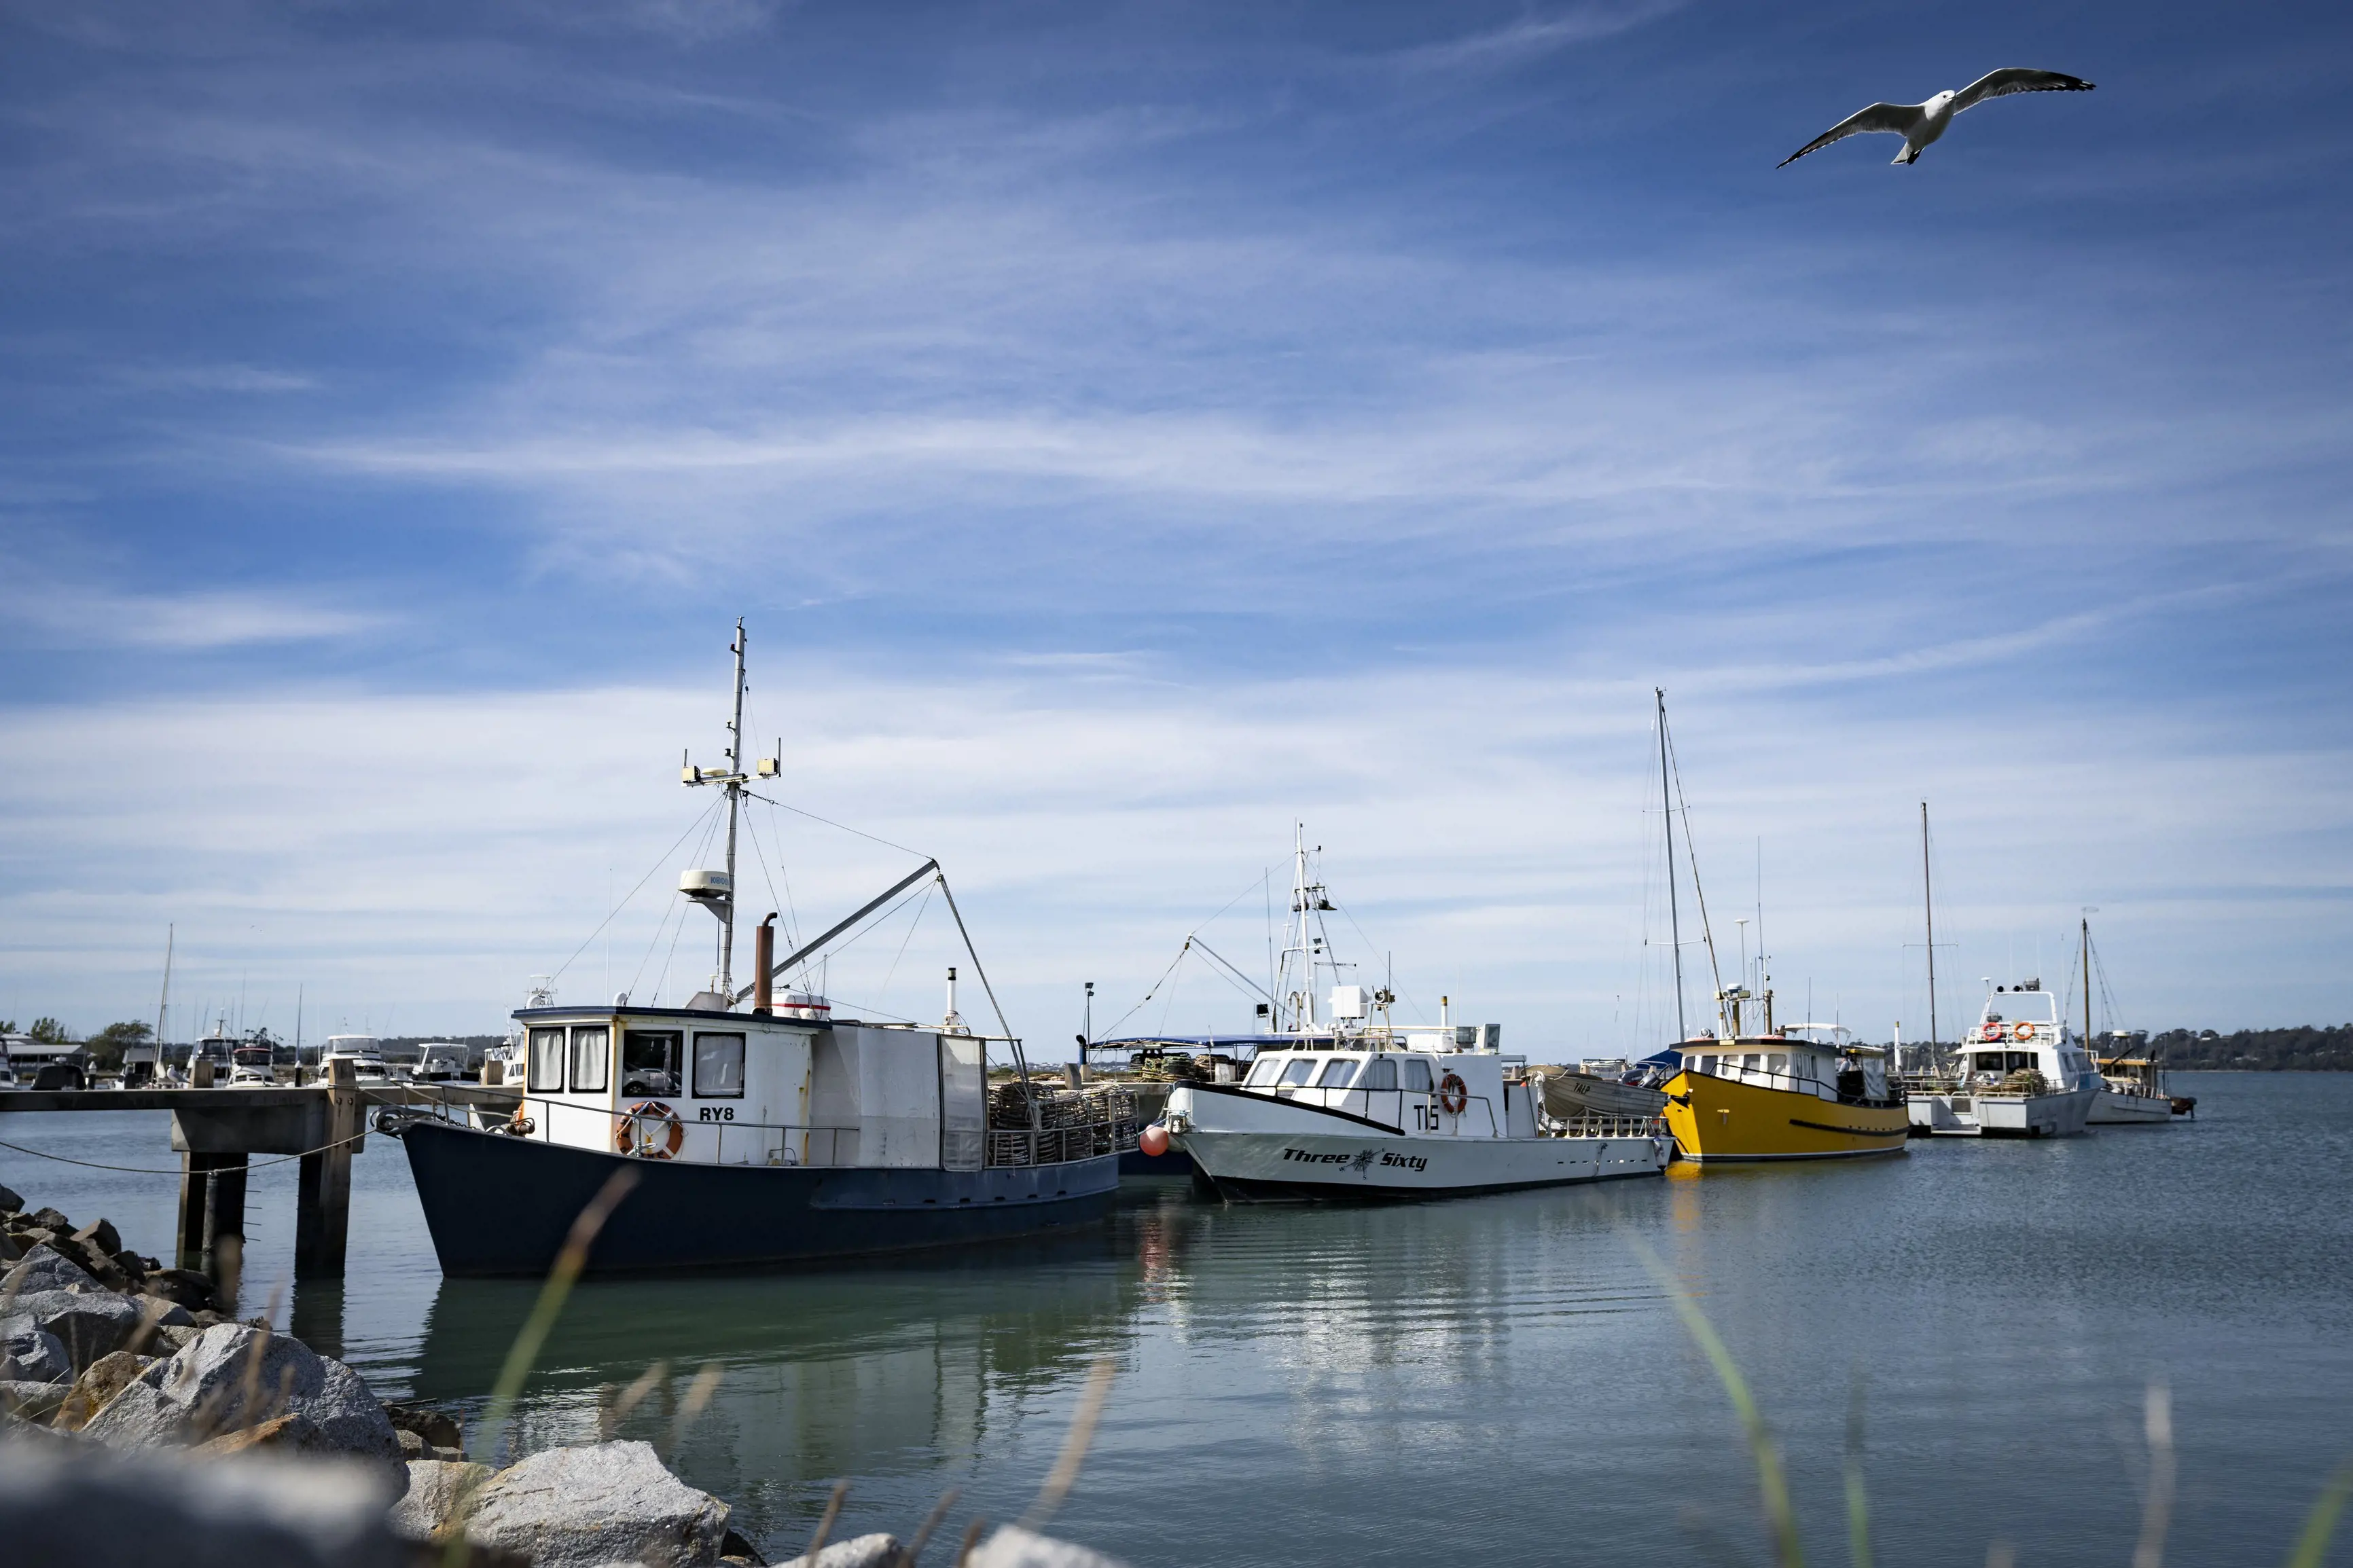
1155 1140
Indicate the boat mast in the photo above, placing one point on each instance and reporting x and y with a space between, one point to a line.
1928 897
163 1006
2089 1048
735 803
1667 816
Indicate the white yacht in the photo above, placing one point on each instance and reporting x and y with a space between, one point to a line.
2020 1073
364 1051
1348 1105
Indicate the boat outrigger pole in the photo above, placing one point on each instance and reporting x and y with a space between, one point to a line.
1928 897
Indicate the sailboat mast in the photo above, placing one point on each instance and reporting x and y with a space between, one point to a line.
734 802
1674 918
1929 896
2088 1048
163 1006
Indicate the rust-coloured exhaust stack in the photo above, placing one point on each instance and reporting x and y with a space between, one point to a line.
764 954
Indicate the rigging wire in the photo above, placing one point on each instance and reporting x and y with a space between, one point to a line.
845 827
633 893
1675 766
891 973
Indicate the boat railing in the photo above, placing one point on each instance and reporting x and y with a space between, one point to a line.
1078 1126
1604 1126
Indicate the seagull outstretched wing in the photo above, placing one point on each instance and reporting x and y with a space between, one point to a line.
2016 79
1899 118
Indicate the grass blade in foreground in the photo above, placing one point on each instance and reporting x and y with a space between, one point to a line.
2312 1546
1771 1483
550 1305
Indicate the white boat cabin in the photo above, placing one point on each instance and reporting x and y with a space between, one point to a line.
1420 1087
2021 1031
745 1089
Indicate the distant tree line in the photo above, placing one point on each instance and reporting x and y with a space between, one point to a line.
2304 1049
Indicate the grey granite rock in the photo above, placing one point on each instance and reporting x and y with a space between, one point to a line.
857 1551
1014 1547
30 1354
608 1502
33 1401
435 1491
63 1501
44 1268
10 1202
93 1323
232 1376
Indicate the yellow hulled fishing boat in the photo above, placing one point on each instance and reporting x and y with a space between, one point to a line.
1781 1095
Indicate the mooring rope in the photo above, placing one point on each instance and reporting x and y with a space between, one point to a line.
150 1170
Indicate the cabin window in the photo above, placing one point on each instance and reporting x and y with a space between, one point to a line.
1380 1073
546 1061
1417 1074
1985 1061
719 1067
2020 1060
1338 1074
1299 1070
1778 1062
1263 1070
592 1054
650 1062
1751 1061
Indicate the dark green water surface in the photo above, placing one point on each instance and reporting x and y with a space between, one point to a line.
1489 1380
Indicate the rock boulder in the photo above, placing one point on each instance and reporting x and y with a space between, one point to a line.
92 1324
857 1551
102 1235
608 1502
10 1202
1014 1547
95 1388
230 1377
184 1286
32 1401
44 1268
30 1354
65 1501
437 1491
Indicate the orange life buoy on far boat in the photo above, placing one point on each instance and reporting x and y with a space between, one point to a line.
2026 1031
1991 1032
1454 1094
650 1131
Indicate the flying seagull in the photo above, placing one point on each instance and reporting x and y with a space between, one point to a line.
1921 123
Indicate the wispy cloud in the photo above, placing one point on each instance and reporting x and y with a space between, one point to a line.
59 615
1532 36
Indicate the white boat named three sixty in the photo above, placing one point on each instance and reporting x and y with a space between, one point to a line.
1352 1106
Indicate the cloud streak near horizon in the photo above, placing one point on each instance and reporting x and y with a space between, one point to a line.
1281 414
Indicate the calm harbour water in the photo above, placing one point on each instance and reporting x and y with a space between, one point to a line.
1493 1379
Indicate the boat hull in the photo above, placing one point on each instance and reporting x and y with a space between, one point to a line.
1966 1115
501 1206
1721 1121
2110 1109
1257 1149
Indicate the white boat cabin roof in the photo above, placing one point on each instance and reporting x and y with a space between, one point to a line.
1711 1045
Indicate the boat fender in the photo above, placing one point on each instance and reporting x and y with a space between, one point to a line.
2026 1031
1454 1094
651 1130
1154 1141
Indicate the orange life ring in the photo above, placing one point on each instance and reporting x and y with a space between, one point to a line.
1991 1032
633 1136
1453 1095
2025 1031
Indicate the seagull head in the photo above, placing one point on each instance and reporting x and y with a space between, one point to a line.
1942 99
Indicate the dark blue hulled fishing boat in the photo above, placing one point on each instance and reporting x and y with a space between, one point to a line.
759 1130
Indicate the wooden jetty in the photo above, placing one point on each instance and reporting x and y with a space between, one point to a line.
216 1130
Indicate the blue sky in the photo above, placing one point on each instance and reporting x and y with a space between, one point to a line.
1129 430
